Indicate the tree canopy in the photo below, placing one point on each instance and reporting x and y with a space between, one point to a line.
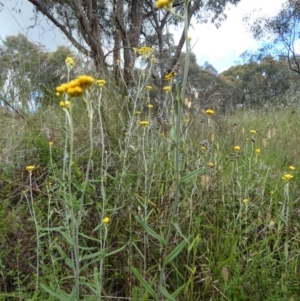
110 30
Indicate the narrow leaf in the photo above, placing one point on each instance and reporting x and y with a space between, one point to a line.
143 282
167 294
191 175
178 291
150 231
176 252
59 296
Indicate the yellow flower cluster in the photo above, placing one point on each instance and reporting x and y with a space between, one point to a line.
164 4
65 104
149 88
75 87
287 177
169 76
69 61
145 51
167 88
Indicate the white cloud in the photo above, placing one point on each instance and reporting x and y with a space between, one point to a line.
222 47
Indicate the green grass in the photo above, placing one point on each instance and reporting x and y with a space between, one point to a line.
233 236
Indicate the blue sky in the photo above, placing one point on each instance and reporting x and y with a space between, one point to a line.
220 47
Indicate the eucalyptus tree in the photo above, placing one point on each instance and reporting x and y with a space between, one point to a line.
29 73
280 32
107 31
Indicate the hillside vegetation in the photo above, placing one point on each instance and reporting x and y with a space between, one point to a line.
101 199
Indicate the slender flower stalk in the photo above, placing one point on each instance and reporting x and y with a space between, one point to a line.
30 169
175 204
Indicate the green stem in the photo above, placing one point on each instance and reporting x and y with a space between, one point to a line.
37 234
177 151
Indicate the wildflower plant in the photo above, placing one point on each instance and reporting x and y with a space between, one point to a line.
74 200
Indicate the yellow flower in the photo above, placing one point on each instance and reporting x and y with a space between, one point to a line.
50 143
69 61
209 112
257 151
167 88
106 220
287 177
169 76
291 167
75 91
204 148
272 192
164 4
149 88
30 168
137 112
101 82
186 120
85 81
236 149
144 123
245 201
64 104
150 106
210 164
62 88
253 132
145 51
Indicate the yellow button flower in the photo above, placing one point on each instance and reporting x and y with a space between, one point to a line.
209 112
149 88
144 123
164 4
210 164
106 220
50 143
101 82
150 106
69 61
236 149
287 177
167 88
30 168
257 151
253 132
291 167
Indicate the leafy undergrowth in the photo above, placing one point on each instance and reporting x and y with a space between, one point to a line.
233 236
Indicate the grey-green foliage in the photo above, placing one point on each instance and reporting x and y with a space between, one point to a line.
28 73
279 32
